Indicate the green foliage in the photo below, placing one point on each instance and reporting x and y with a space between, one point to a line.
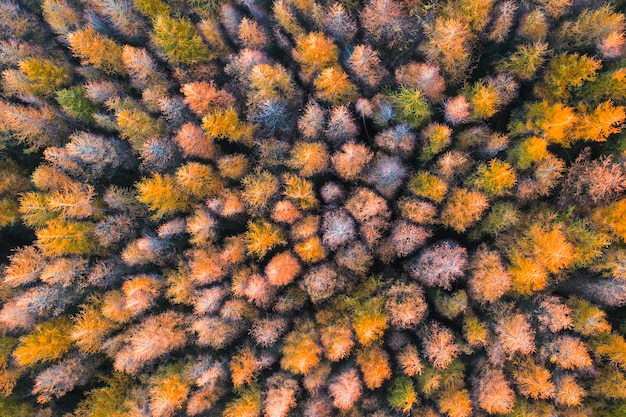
501 217
402 396
246 404
565 73
106 401
137 126
7 344
11 407
75 103
426 185
153 8
411 106
495 178
179 40
525 61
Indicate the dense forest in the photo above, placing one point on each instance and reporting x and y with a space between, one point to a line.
315 208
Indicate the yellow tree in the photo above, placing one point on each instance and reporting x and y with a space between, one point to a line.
97 50
315 52
47 342
179 40
162 194
63 237
604 121
262 236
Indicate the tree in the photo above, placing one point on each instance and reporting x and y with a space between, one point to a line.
91 328
515 335
251 34
63 237
489 280
193 142
568 392
301 351
411 106
59 379
455 403
463 208
503 21
309 158
74 201
168 393
533 381
48 341
426 185
312 121
315 52
61 17
262 236
457 110
198 180
449 44
386 22
386 174
564 73
593 182
495 396
591 27
36 127
495 178
336 337
281 396
97 50
74 103
282 269
439 265
311 250
42 77
406 237
339 229
409 361
569 353
179 40
269 82
425 77
244 367
226 124
334 86
248 403
374 364
365 64
155 336
605 120
525 61
267 332
162 194
351 159
436 137
142 68
345 389
341 125
401 395
439 346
